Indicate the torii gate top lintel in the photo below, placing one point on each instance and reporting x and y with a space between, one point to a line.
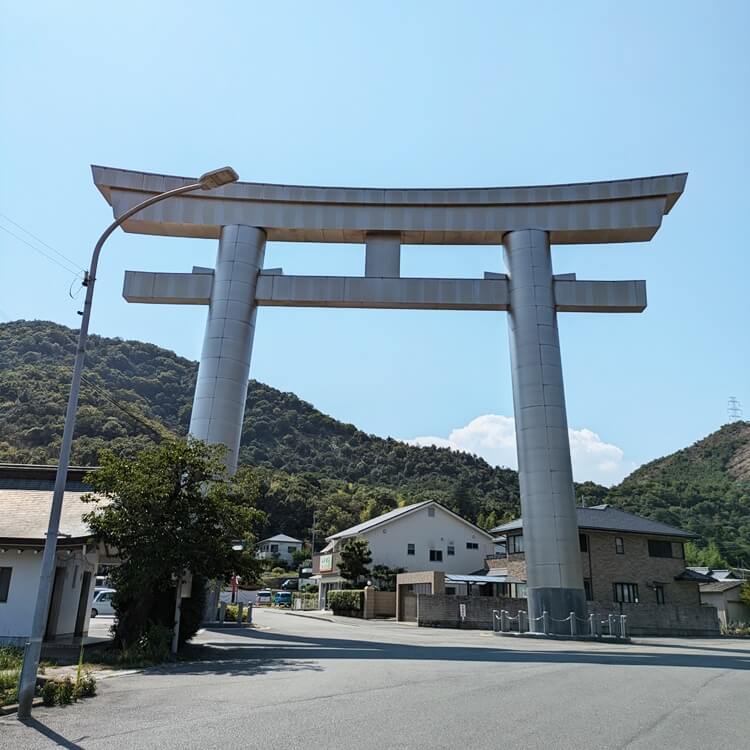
578 213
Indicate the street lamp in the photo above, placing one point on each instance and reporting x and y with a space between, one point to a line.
208 181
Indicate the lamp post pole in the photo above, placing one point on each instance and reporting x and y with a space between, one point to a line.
33 648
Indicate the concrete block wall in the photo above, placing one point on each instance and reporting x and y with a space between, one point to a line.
442 610
662 619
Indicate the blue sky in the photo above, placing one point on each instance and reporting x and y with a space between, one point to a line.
404 94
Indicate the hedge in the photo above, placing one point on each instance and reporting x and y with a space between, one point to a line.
345 600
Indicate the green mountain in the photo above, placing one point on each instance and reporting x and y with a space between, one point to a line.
704 488
308 462
134 391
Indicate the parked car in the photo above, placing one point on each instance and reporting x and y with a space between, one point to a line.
102 602
263 597
283 598
291 584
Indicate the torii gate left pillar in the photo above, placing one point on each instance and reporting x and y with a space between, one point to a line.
224 369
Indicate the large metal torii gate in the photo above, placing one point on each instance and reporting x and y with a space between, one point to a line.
526 221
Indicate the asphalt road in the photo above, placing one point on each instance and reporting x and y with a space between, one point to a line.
296 682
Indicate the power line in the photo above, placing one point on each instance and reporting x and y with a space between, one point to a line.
154 425
75 271
46 244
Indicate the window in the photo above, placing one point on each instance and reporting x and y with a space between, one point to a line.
451 549
583 542
659 548
619 545
659 592
4 583
431 511
472 545
274 548
588 589
450 590
626 593
515 544
677 550
290 549
436 555
410 548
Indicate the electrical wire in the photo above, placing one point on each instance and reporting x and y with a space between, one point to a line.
41 241
75 272
159 429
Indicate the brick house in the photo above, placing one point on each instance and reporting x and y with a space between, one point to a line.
631 565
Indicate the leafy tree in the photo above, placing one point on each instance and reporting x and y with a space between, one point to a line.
167 510
708 557
384 578
300 557
745 593
355 559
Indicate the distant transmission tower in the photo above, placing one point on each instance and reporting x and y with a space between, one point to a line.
734 409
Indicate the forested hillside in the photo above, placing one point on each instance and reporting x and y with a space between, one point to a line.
134 393
704 488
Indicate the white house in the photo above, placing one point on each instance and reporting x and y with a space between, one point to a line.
420 537
281 546
24 514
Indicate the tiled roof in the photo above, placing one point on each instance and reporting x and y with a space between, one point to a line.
607 518
693 575
385 517
281 538
360 528
24 514
719 586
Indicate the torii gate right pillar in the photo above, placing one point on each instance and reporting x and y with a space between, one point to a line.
553 560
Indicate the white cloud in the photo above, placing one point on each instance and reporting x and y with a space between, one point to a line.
493 437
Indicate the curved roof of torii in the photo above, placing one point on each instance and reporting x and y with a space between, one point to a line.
577 213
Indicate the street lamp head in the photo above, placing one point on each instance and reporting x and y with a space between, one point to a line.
238 546
218 177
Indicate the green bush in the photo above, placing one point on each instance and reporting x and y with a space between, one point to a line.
49 693
64 692
9 686
10 657
345 600
232 612
736 629
85 686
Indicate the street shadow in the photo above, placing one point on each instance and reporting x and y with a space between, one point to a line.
257 652
50 734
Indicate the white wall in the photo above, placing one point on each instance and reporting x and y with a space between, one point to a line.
264 551
16 614
388 544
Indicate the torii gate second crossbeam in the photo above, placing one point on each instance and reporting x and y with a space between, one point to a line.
524 220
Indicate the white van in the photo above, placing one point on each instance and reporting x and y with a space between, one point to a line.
102 602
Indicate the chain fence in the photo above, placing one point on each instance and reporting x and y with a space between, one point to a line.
615 626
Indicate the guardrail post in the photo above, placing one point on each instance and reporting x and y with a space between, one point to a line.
545 622
504 627
611 621
240 612
222 611
249 613
573 624
521 623
623 619
592 625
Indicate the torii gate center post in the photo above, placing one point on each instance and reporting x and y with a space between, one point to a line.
525 221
